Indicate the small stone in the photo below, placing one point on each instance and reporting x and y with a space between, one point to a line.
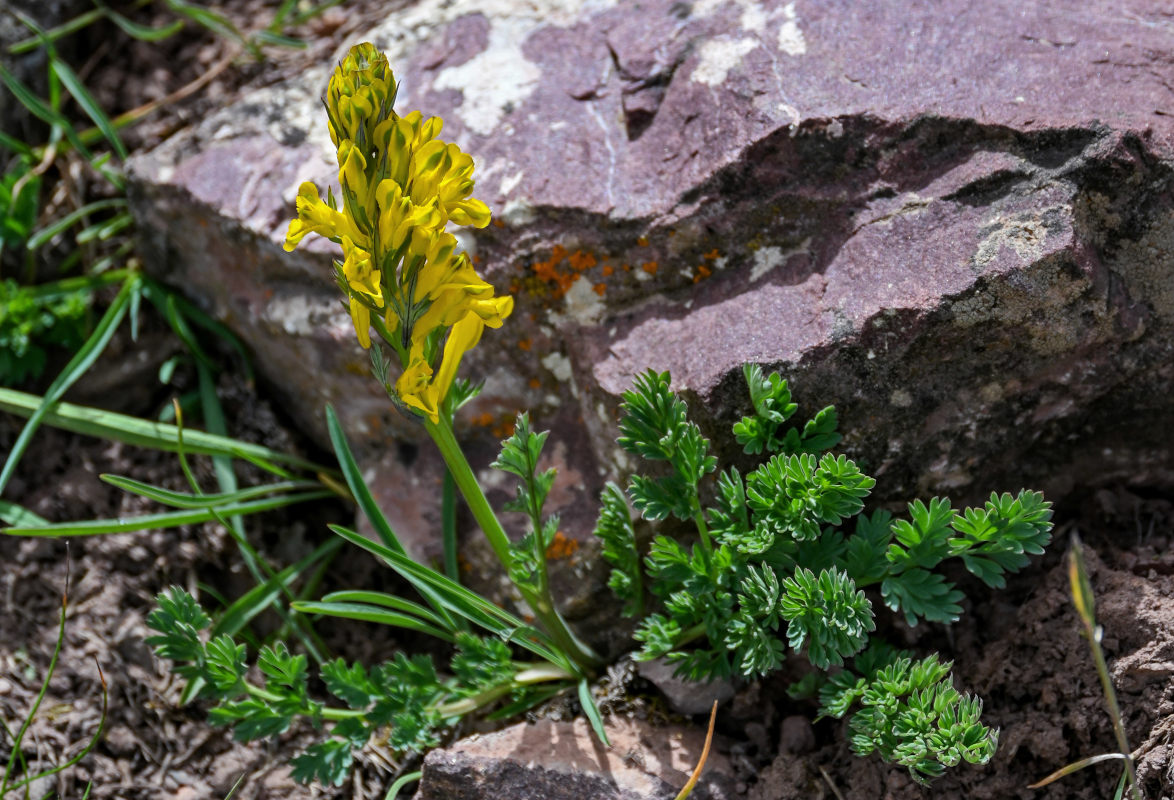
796 736
684 697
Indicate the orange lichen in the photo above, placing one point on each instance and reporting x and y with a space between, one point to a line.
484 419
580 261
535 383
600 288
504 427
524 345
497 223
548 271
608 269
650 267
702 273
561 546
642 241
712 255
627 267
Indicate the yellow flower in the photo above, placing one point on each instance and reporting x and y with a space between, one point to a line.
415 387
419 388
315 216
401 186
358 197
399 137
399 217
442 171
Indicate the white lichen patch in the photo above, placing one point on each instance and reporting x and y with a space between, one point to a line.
582 304
765 259
497 78
791 40
510 181
770 257
719 56
300 315
517 213
503 382
558 365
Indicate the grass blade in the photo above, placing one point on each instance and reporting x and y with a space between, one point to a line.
206 18
262 38
186 500
400 782
257 599
39 109
144 33
193 314
77 366
105 229
358 487
168 519
15 145
15 742
368 613
67 286
60 226
460 600
53 34
148 433
14 514
1076 766
382 599
81 94
592 711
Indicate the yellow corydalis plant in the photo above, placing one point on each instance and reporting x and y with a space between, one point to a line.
401 271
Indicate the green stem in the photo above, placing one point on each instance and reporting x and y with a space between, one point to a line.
538 673
703 529
540 603
333 714
689 635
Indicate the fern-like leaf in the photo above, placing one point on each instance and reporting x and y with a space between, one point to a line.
827 615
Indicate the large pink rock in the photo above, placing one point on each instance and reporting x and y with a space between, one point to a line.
955 222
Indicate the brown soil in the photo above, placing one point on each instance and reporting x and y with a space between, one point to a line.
1023 654
1019 650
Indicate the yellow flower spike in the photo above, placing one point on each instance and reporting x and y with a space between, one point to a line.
314 216
401 186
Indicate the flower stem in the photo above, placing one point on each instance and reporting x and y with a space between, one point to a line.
334 714
540 603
